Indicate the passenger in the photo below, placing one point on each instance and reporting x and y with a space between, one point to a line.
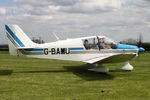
86 45
113 46
101 44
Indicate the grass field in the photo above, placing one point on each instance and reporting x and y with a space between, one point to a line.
38 79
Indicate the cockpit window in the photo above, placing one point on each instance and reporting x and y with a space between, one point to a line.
99 43
90 43
109 42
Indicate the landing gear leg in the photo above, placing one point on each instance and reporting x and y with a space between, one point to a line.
126 67
99 68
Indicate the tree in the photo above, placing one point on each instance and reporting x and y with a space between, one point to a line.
129 41
39 41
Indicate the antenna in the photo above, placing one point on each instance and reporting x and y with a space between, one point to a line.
57 38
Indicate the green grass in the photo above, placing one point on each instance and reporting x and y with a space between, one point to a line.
4 52
39 79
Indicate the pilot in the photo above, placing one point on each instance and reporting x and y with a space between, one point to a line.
86 45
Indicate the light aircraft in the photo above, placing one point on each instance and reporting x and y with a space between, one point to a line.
84 49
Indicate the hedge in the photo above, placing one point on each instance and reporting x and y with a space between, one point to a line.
146 46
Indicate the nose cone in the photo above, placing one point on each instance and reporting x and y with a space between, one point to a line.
141 49
124 46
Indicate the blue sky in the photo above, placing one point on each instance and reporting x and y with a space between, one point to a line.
127 4
117 19
8 3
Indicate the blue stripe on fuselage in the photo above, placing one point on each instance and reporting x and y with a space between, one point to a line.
33 49
14 36
76 48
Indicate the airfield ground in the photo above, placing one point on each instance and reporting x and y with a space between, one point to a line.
38 79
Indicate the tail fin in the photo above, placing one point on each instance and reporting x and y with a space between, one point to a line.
17 38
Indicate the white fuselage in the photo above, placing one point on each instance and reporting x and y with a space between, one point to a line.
72 49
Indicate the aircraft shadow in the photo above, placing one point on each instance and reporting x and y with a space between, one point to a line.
119 70
44 71
6 72
82 72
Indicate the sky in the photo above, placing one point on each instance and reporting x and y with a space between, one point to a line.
116 19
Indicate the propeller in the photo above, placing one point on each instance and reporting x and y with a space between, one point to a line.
140 40
139 44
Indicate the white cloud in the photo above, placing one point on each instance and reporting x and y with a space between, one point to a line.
52 7
2 11
42 17
27 7
118 19
103 3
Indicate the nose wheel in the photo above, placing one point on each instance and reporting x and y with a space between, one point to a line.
127 67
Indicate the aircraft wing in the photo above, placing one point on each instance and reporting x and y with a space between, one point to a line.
114 58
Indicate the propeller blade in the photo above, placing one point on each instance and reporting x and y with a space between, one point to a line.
140 41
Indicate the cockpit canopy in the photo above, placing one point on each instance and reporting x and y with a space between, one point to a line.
98 42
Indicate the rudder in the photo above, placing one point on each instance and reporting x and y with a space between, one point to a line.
17 38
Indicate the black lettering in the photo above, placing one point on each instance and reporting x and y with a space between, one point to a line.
67 50
58 51
62 50
46 51
53 51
